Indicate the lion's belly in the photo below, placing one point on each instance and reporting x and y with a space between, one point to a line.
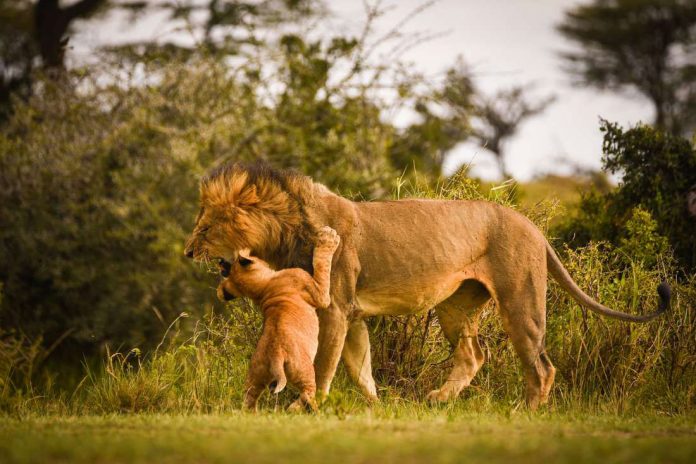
408 298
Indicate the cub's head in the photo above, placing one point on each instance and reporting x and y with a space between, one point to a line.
247 207
246 276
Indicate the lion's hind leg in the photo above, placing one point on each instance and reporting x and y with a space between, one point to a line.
524 318
458 317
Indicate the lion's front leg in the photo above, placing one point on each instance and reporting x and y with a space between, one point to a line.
358 362
333 327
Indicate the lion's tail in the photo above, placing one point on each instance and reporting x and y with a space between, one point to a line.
278 379
560 274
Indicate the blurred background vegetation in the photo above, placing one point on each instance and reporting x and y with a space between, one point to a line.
99 169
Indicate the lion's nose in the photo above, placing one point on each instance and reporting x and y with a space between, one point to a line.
188 253
227 295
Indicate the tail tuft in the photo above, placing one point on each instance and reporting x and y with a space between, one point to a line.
665 293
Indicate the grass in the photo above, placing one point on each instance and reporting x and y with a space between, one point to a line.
385 434
566 189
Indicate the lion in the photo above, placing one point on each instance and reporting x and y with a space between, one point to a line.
397 257
288 299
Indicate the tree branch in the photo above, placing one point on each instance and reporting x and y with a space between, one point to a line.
82 9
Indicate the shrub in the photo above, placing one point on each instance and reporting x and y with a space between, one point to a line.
658 170
99 186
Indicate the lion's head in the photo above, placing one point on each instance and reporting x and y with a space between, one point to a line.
251 207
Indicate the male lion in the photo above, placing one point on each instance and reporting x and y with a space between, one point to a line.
397 257
288 299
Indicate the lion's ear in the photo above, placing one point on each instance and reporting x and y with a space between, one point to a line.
248 197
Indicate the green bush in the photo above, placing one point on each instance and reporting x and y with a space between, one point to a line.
657 170
99 184
94 205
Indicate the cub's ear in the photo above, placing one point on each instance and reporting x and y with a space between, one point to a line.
245 258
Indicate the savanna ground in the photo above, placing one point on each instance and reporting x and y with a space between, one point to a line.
387 433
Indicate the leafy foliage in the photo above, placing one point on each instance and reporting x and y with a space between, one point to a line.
90 232
658 170
98 186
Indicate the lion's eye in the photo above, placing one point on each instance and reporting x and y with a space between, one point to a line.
244 261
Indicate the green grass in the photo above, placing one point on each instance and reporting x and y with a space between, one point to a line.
386 434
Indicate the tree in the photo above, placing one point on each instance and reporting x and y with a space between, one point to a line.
31 34
645 45
424 145
491 121
52 23
220 26
37 32
498 119
17 51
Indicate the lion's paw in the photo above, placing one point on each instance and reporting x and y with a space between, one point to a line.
297 406
327 238
441 395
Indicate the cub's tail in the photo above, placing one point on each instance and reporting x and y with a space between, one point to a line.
560 274
278 381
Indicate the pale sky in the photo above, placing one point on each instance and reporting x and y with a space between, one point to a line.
505 43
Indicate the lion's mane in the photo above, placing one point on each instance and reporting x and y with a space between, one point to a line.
261 208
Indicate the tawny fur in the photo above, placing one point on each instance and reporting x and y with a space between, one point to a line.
288 299
397 257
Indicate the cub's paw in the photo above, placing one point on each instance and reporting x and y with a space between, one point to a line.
327 239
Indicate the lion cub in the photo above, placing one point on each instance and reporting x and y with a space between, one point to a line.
288 300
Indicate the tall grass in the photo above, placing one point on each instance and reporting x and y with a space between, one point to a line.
610 365
200 372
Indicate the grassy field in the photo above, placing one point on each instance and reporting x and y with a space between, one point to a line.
384 435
